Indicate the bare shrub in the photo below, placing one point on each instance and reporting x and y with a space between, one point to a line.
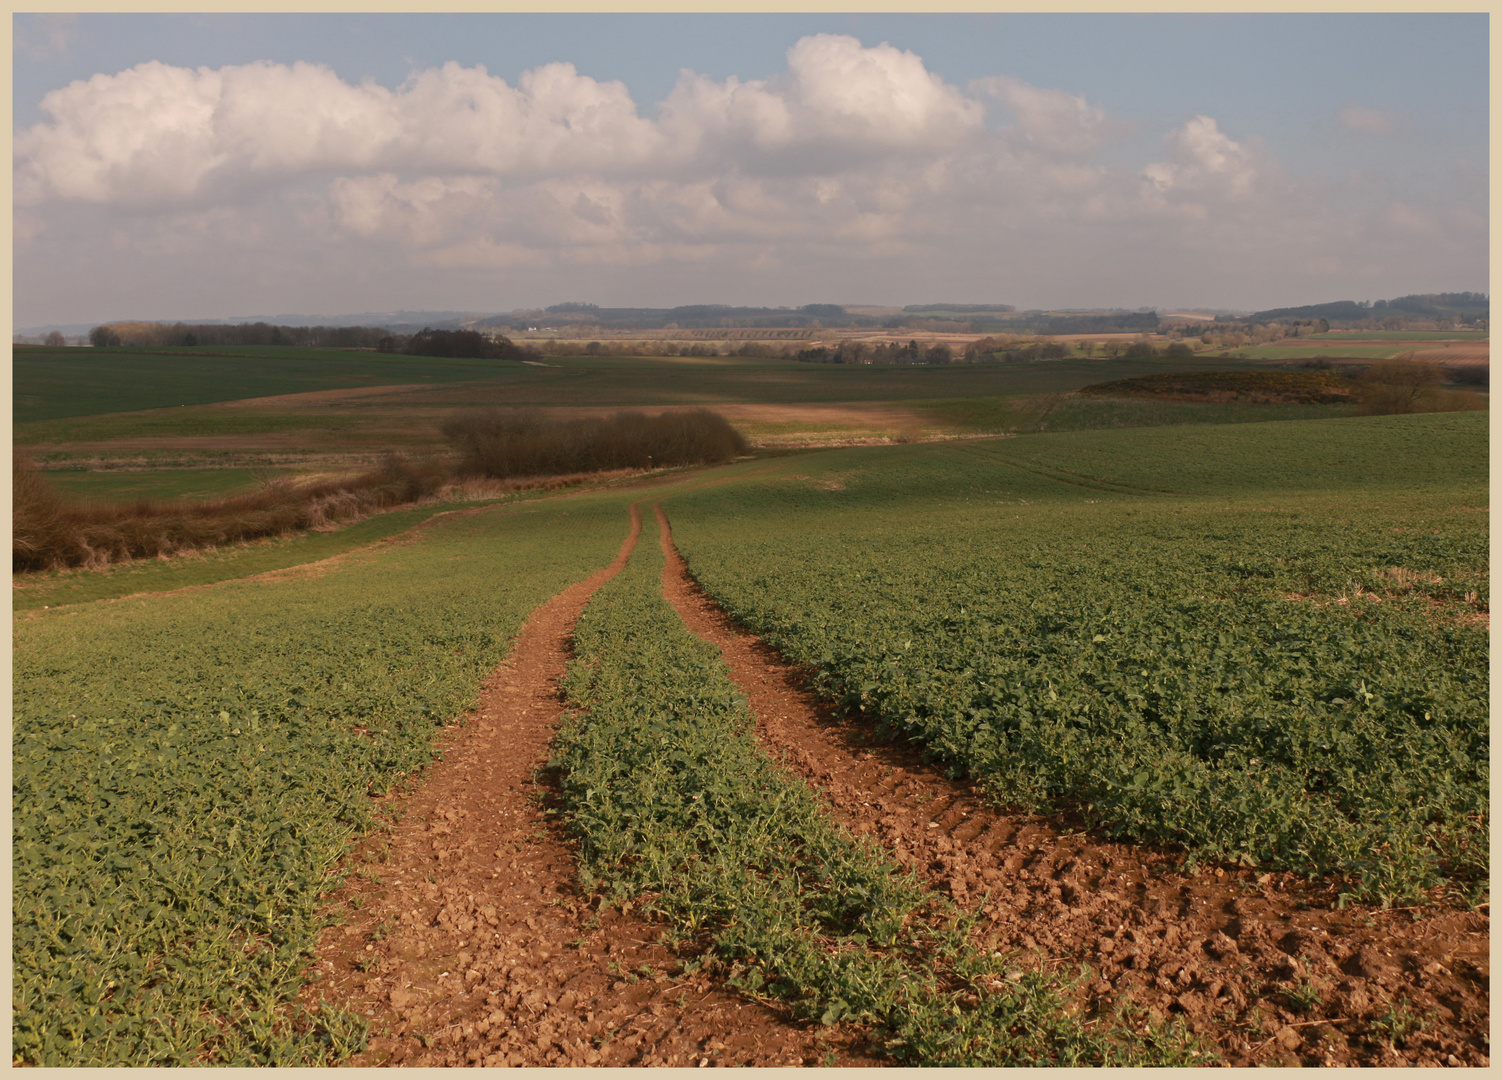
524 442
50 532
1405 385
1469 374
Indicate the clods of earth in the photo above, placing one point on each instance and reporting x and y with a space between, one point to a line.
466 940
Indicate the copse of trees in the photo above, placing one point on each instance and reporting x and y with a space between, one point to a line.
427 342
162 335
501 443
459 344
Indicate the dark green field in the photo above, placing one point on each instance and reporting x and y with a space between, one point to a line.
121 411
124 484
50 383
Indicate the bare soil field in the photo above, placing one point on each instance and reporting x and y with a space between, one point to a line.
958 340
1458 352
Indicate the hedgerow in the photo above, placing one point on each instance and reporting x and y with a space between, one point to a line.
1304 387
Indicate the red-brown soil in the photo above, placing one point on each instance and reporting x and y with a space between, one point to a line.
466 941
1262 966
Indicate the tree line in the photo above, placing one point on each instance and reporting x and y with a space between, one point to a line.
426 342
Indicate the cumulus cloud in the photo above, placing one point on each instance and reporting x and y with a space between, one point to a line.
158 133
1051 119
1207 163
851 161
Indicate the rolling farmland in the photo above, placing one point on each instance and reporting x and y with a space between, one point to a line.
1098 745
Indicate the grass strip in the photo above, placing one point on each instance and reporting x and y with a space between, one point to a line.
674 802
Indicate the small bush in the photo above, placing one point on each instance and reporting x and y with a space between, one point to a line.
524 442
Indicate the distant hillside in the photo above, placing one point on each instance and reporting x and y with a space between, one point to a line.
688 317
935 310
1462 306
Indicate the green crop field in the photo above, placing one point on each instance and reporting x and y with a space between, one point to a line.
1402 335
189 769
52 383
51 589
177 423
673 799
1247 641
123 484
1057 412
1251 641
47 382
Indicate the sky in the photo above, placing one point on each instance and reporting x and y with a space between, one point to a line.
212 166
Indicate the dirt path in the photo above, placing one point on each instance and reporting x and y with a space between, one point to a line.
1263 966
466 941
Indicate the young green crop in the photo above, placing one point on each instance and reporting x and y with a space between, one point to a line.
673 801
189 769
1172 631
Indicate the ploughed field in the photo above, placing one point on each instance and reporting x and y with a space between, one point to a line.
1157 746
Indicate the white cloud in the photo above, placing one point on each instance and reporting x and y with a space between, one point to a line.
837 100
1207 163
423 212
853 164
1053 120
160 134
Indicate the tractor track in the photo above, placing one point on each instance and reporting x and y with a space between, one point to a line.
470 944
1262 966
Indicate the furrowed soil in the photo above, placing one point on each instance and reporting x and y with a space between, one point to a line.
1264 967
469 943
